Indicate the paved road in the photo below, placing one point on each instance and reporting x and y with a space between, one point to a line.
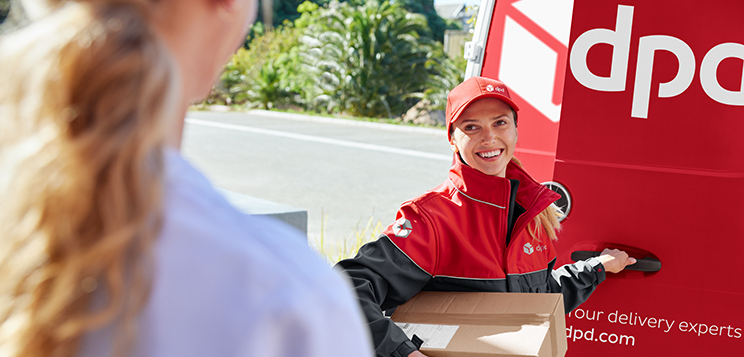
345 171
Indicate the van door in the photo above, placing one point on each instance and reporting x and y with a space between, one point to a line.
650 150
525 44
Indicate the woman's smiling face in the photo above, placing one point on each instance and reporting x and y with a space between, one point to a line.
485 135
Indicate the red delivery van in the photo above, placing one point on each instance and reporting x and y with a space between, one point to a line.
650 150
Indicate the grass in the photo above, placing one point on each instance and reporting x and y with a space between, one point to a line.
350 246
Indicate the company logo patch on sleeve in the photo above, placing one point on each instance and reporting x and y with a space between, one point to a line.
402 228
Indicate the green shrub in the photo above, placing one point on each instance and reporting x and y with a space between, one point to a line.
266 72
368 60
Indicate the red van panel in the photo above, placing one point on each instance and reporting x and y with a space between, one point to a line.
651 150
526 48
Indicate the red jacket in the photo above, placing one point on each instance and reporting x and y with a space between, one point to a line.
459 229
468 234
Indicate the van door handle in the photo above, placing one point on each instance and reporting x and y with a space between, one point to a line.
646 264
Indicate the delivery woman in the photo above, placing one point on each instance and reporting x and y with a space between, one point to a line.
487 227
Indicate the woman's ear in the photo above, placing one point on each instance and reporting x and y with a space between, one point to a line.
229 5
229 10
453 145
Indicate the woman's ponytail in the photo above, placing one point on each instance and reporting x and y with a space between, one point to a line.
87 96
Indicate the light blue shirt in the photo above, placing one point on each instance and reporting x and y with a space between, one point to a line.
227 284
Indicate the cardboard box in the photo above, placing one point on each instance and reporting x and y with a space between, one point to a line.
485 324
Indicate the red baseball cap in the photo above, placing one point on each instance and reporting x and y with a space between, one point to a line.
472 89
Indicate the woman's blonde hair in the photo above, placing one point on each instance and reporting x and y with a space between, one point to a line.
86 94
548 219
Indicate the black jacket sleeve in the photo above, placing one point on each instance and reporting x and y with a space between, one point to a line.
576 281
383 278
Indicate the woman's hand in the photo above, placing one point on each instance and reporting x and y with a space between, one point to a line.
615 260
416 354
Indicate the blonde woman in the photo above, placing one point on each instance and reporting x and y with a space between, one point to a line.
111 243
488 227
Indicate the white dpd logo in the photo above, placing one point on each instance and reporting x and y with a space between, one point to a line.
620 39
528 248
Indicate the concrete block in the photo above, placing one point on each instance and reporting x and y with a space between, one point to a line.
256 206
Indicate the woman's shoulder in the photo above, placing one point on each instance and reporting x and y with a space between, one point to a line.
199 218
432 197
220 272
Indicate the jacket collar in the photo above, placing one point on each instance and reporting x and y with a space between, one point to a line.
495 190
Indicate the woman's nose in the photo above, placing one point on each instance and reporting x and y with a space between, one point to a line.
489 135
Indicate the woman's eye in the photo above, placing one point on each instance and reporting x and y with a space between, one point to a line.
470 127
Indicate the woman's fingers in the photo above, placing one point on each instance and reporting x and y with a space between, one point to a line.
615 260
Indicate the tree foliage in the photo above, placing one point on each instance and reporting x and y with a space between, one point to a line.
288 10
4 9
267 73
436 23
370 60
367 60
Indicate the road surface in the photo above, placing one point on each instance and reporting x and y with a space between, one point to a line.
342 172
